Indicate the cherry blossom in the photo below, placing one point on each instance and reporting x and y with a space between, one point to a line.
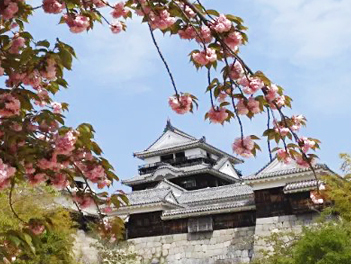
272 91
6 173
236 71
53 6
244 147
37 229
251 85
283 156
306 144
16 44
252 106
116 27
187 33
233 40
181 105
78 23
50 69
33 79
11 8
217 115
205 35
57 107
205 57
221 24
65 144
84 201
37 179
11 105
60 181
119 10
162 20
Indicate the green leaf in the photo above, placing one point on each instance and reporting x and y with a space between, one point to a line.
43 43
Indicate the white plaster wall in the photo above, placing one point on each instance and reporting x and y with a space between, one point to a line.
152 160
195 151
227 168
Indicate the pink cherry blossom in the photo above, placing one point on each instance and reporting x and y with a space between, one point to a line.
283 156
107 210
272 91
253 105
298 121
37 229
217 115
235 70
222 96
233 40
241 107
119 10
251 85
16 44
6 173
36 179
301 162
65 144
103 184
84 201
244 147
182 104
187 33
53 6
162 20
205 57
78 23
17 127
221 24
11 105
60 181
33 79
99 3
50 70
205 35
11 8
306 144
116 27
57 107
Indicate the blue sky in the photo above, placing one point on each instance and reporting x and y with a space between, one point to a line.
119 84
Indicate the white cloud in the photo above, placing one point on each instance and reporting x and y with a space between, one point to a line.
311 29
129 55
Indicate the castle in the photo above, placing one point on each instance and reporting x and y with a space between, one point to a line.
189 204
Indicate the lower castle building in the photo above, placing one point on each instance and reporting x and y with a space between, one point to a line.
189 204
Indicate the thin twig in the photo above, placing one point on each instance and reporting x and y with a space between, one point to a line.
164 61
268 141
11 205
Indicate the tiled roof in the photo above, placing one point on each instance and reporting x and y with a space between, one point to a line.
246 204
149 176
147 196
301 186
177 172
284 172
215 193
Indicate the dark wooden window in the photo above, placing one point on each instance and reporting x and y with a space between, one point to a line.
272 202
167 158
180 155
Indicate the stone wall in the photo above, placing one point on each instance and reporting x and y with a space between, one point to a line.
226 246
219 247
286 223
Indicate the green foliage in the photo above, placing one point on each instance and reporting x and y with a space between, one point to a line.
56 242
115 254
327 243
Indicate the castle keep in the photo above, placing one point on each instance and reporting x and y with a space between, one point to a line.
189 204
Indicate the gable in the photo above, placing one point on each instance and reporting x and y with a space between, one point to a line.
228 169
276 165
170 139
